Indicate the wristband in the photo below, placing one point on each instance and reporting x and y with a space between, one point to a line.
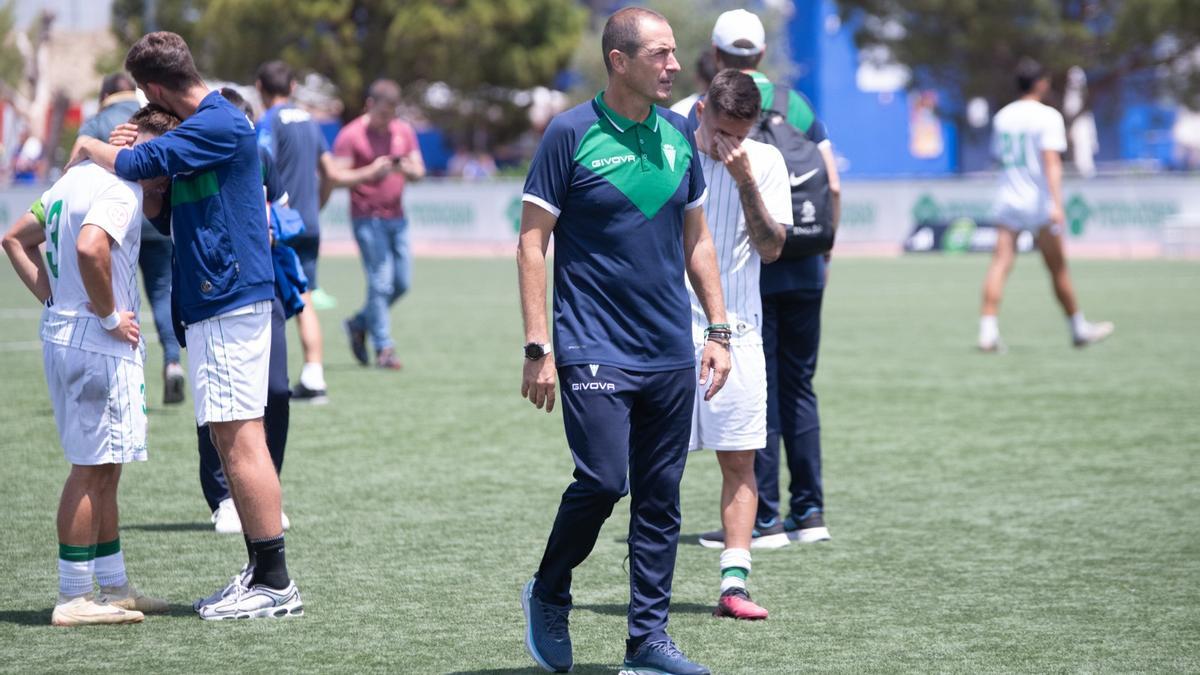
111 321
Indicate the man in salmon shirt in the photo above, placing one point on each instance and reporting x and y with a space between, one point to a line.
377 213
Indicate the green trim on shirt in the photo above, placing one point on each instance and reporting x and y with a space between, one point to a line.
645 161
39 212
799 114
190 189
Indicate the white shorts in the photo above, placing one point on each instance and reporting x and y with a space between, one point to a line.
229 357
1024 220
99 405
736 418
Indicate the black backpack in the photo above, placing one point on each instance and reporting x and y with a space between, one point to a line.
812 230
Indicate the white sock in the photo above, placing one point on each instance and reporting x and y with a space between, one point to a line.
735 568
110 570
1078 323
313 376
989 329
75 577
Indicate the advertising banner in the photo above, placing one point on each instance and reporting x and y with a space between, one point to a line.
1108 216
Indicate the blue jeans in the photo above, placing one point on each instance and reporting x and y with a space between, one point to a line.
155 260
791 338
383 245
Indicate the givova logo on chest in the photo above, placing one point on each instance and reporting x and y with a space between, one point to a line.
615 160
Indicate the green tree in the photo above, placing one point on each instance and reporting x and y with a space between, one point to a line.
481 51
971 47
12 64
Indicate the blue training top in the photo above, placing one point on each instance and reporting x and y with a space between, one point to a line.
619 189
218 219
295 140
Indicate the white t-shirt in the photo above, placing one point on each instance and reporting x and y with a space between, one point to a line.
87 194
737 258
1021 131
684 105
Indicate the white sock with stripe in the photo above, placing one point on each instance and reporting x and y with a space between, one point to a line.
75 577
735 568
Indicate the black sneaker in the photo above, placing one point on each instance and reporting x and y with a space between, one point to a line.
358 341
763 536
661 656
547 634
808 529
305 395
173 384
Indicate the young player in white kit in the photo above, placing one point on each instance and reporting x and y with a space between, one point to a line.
1028 138
748 211
90 221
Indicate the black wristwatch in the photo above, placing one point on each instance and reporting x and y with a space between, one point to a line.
536 350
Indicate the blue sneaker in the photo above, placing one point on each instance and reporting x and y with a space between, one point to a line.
660 658
809 528
546 634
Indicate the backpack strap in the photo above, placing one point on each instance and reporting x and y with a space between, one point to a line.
781 99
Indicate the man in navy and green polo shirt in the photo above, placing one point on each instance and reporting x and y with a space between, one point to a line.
792 291
618 182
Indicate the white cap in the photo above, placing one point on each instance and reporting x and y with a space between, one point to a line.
738 24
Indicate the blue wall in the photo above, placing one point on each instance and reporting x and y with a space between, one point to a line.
870 131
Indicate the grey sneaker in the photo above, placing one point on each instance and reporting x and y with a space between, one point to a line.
240 580
256 602
763 536
547 634
657 658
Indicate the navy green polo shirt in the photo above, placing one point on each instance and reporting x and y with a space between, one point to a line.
619 189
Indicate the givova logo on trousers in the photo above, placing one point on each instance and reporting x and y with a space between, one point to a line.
594 385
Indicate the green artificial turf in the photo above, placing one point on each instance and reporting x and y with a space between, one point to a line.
1035 511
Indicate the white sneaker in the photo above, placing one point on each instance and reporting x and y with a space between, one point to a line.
83 610
226 519
992 346
1092 333
241 580
128 597
811 535
256 602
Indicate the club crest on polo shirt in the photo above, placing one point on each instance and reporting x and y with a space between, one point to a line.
646 162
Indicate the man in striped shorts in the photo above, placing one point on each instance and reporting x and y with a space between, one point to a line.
224 283
748 209
90 222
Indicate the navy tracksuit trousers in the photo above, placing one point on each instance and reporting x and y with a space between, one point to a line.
791 337
628 432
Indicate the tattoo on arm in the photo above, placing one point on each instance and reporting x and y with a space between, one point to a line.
766 235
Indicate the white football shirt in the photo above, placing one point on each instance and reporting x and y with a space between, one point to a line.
89 195
1021 132
737 258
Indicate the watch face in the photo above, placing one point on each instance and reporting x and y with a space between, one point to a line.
534 351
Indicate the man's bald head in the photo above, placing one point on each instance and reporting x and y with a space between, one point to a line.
622 32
